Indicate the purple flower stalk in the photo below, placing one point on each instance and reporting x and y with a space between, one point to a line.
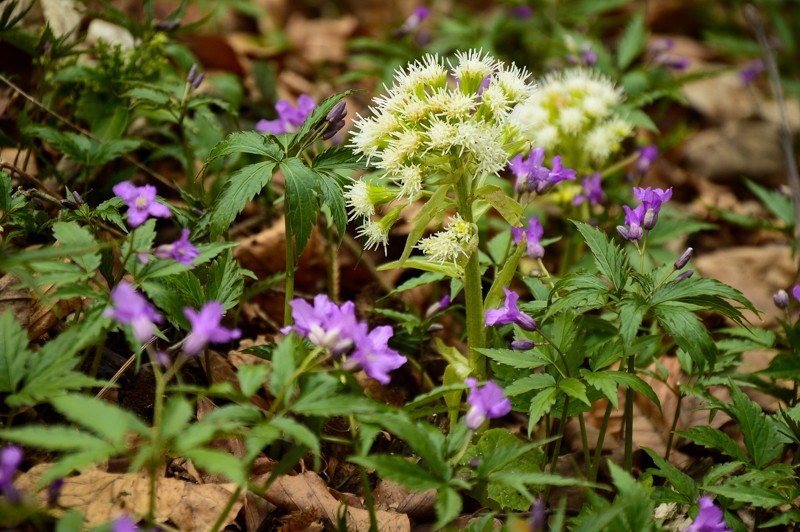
709 518
533 234
181 250
750 72
337 329
141 202
129 307
10 460
647 154
591 190
289 117
206 328
485 403
509 313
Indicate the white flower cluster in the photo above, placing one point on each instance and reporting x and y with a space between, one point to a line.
573 112
455 242
432 116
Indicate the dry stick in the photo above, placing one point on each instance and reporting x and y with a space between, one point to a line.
751 13
130 159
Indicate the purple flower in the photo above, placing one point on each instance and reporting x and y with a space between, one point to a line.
750 72
414 20
439 306
781 299
647 154
556 176
206 328
522 345
592 190
509 313
651 199
521 11
589 55
485 403
10 460
123 524
709 518
661 56
538 515
289 117
129 307
796 291
372 353
533 235
634 218
141 202
529 171
181 250
54 491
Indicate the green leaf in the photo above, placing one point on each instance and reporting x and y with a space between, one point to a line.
503 279
56 438
298 432
400 470
683 483
155 97
632 309
704 294
530 359
240 187
13 352
608 381
337 158
72 234
758 496
103 418
632 42
227 281
541 405
609 258
761 437
537 381
319 113
177 414
218 463
448 506
332 196
575 389
247 142
422 280
283 366
688 332
140 239
504 204
251 377
712 438
302 184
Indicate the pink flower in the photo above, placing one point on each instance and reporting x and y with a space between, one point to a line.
709 518
181 250
131 308
533 234
485 403
509 313
206 328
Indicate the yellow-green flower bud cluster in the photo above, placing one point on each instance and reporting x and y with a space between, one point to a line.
456 242
573 114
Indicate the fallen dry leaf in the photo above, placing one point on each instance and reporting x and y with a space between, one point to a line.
307 490
320 40
391 496
102 497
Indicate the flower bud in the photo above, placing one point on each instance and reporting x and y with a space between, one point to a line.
54 490
192 74
197 81
337 113
439 306
650 219
77 197
633 233
684 275
684 258
781 299
538 516
69 204
167 25
522 345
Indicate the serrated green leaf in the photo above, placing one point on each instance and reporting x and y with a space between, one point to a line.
337 158
688 332
251 377
422 280
541 405
400 470
247 142
240 187
706 294
104 419
14 352
530 359
153 96
683 483
332 196
632 309
72 234
218 463
283 366
298 432
56 438
609 258
712 438
575 389
608 381
632 42
758 496
537 381
448 506
445 268
302 184
504 204
761 437
227 281
177 414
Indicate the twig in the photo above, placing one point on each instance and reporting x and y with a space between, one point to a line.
28 177
752 16
129 158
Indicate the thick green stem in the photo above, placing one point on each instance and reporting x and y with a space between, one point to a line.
598 447
473 292
287 309
628 461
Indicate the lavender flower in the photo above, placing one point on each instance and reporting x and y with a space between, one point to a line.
521 11
781 299
509 313
10 460
54 491
709 518
373 355
647 154
662 56
206 328
633 220
750 72
651 199
533 235
796 291
123 524
485 403
439 306
684 259
414 20
326 324
684 275
591 190
522 345
589 55
528 170
141 202
556 176
538 516
129 307
181 250
289 117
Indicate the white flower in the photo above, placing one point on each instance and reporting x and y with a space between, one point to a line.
358 198
451 244
494 98
409 179
514 82
377 234
571 120
473 66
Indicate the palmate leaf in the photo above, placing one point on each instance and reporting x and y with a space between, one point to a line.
13 352
247 142
712 438
683 483
101 417
610 260
240 187
332 196
761 437
72 234
688 332
704 293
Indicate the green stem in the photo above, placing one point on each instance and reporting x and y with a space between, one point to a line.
473 292
584 442
628 461
674 425
158 412
598 448
557 446
287 309
228 505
